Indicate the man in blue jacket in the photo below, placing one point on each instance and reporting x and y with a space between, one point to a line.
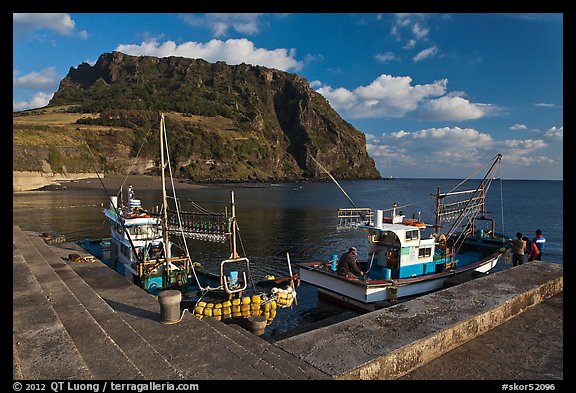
540 243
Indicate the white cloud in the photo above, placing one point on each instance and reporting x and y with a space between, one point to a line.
426 53
245 23
232 51
39 100
450 148
25 24
46 79
546 105
518 127
452 108
386 57
394 97
555 134
415 24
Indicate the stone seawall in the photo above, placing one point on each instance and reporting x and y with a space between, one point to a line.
27 181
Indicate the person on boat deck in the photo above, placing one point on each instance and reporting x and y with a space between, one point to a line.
531 249
540 241
518 247
347 264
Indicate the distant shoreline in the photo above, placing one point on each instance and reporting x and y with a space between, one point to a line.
113 182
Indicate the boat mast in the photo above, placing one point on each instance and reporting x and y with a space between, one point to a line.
164 197
233 253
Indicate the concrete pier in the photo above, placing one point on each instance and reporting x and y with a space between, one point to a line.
81 320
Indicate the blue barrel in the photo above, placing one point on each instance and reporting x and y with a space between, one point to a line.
334 261
387 273
233 277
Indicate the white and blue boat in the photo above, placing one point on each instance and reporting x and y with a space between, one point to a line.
405 259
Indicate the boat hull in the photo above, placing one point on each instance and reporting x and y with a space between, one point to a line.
366 293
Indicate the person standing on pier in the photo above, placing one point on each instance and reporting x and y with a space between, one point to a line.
540 241
518 247
531 249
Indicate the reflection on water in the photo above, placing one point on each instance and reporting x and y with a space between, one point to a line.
299 219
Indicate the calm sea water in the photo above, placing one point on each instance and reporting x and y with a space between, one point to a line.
300 219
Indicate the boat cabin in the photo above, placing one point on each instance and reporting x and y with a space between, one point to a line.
400 249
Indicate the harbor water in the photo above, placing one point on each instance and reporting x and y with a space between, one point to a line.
300 219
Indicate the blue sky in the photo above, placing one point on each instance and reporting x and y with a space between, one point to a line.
436 94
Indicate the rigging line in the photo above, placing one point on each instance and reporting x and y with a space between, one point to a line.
501 199
489 174
137 155
334 180
163 130
475 172
165 136
110 200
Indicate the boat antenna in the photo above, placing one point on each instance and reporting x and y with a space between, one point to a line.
334 180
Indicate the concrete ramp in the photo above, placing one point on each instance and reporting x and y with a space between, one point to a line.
389 343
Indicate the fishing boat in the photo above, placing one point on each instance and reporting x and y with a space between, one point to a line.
143 243
408 257
140 245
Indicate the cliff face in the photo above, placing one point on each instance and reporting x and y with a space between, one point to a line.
225 122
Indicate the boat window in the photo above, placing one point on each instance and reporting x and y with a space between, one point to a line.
424 252
412 235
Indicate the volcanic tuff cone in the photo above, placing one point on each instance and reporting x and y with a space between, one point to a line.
225 122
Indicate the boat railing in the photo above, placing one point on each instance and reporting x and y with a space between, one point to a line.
353 217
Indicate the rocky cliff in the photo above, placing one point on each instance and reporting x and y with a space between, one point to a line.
224 122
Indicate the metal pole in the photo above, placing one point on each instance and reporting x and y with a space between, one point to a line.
164 201
233 254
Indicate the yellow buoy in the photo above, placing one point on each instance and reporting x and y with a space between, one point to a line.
208 311
218 305
226 303
201 304
209 305
246 300
236 302
217 312
256 299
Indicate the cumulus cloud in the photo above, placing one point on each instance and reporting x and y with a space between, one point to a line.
25 24
220 24
523 152
555 134
45 79
455 151
232 51
453 108
460 149
39 100
395 97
